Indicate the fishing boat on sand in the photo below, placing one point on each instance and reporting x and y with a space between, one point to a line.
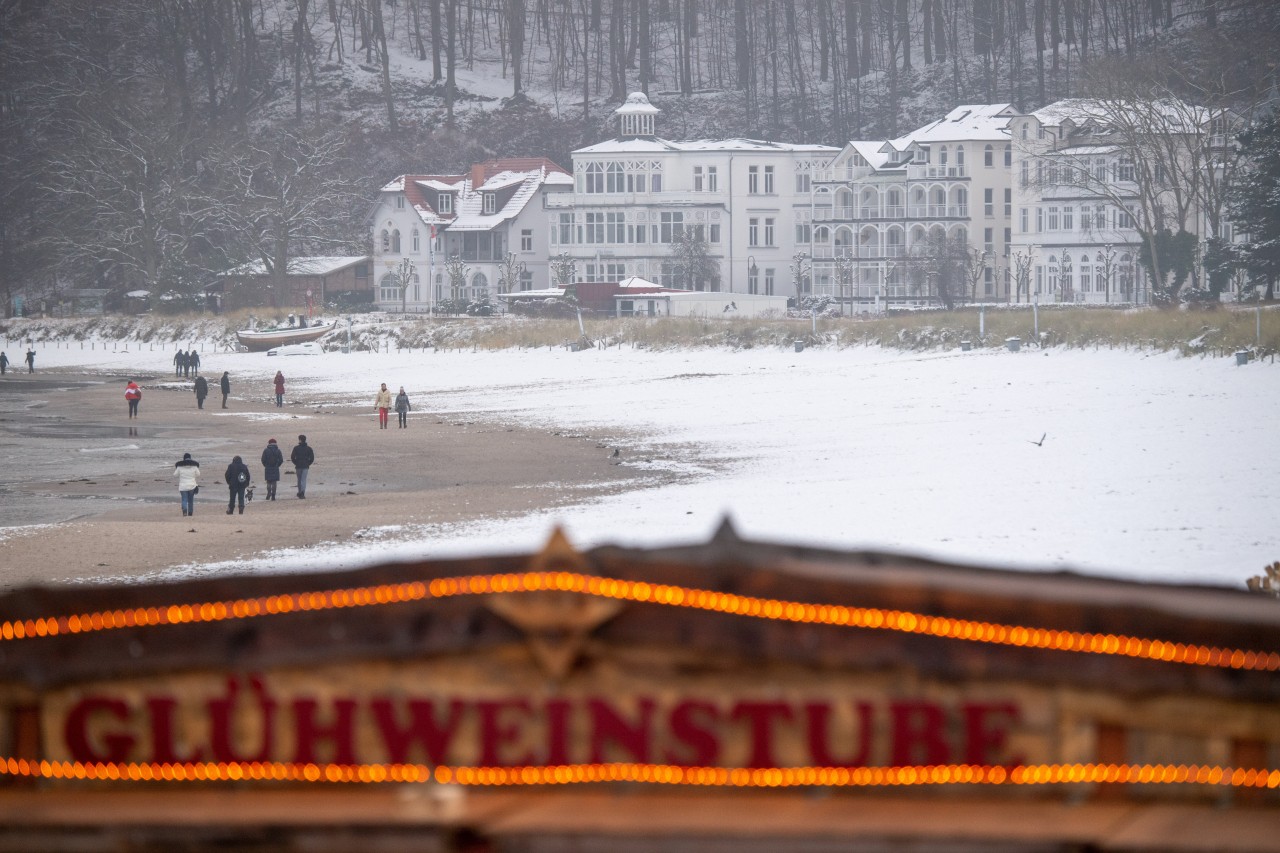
260 340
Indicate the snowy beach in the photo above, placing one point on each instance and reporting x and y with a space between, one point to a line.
1110 462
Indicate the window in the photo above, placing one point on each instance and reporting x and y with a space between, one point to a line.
988 202
526 240
942 156
1023 220
1068 218
1100 170
713 233
526 280
1008 202
699 184
1100 216
593 178
768 232
1052 223
802 182
753 180
1124 169
595 228
655 183
711 179
768 179
988 281
615 228
988 236
768 281
1039 219
1008 239
1026 173
388 289
672 224
1039 279
1123 219
753 232
753 279
615 180
959 155
566 229
989 156
395 241
399 202
489 203
1008 155
636 182
803 233
417 241
444 203
386 240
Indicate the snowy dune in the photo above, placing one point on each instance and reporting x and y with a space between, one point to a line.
1151 466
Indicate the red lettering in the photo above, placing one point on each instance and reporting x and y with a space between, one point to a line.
557 711
918 734
607 725
340 732
699 737
76 731
820 736
163 750
432 737
761 716
494 735
984 737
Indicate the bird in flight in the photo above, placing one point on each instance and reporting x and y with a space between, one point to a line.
1039 443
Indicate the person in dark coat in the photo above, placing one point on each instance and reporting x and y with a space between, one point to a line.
272 459
31 361
4 363
302 458
237 478
225 383
279 389
202 391
193 361
402 408
180 362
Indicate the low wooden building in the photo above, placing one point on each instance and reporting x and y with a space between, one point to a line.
312 284
732 695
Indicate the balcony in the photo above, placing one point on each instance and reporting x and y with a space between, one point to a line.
939 211
930 171
833 214
841 175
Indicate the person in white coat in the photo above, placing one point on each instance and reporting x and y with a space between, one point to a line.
188 473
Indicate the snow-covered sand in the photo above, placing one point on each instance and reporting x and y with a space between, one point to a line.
1151 466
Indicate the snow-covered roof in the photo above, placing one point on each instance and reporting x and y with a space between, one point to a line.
547 293
1177 115
636 281
1085 150
138 294
970 122
302 266
515 180
646 145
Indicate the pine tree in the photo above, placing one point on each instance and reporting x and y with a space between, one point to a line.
1254 202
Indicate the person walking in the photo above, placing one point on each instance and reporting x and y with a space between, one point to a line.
133 396
202 391
193 361
180 362
237 478
383 404
31 361
279 389
402 408
4 363
188 473
302 458
272 459
225 383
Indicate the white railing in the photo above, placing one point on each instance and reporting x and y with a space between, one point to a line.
929 170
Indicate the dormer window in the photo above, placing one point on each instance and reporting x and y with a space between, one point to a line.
399 202
489 203
444 203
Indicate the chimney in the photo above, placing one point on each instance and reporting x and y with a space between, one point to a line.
477 176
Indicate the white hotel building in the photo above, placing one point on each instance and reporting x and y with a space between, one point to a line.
633 194
876 204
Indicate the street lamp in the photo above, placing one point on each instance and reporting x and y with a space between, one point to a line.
1064 286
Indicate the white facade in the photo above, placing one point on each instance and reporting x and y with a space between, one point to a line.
491 219
634 194
878 203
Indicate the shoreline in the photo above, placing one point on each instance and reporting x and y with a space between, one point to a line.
102 504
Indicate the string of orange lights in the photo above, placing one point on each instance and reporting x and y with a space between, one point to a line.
662 594
661 774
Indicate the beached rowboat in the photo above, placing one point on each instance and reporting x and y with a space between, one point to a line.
259 340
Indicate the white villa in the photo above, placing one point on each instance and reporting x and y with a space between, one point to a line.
634 194
877 203
491 220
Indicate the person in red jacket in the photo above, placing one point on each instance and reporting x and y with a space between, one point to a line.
279 389
133 396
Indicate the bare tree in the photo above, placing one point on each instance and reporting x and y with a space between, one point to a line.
691 261
1020 263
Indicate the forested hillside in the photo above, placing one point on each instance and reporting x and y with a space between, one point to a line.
150 143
